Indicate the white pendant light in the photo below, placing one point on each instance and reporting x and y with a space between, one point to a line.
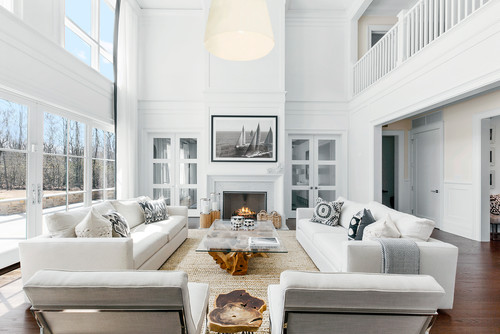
239 30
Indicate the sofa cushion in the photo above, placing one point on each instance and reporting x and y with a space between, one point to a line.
366 220
170 227
119 224
327 213
154 210
310 229
146 244
94 225
331 245
349 209
131 210
419 229
382 228
62 224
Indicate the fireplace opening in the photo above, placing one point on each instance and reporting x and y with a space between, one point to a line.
246 204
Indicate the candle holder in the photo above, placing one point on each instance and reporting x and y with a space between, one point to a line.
215 206
205 214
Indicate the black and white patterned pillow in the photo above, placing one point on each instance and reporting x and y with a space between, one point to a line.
327 213
119 224
354 224
154 210
495 204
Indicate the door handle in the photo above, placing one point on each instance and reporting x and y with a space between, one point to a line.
33 194
311 188
40 193
315 187
435 191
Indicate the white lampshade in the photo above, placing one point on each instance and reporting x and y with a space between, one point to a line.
239 29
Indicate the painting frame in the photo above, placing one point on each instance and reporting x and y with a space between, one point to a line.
228 129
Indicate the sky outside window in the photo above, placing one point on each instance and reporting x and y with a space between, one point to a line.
79 11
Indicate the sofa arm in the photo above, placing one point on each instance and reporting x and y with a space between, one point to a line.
437 259
75 254
178 211
306 213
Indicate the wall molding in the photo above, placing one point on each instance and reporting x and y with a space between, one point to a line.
458 216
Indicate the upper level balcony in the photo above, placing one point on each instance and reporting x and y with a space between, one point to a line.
416 29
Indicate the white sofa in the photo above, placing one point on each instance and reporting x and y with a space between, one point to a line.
306 302
125 302
149 246
331 251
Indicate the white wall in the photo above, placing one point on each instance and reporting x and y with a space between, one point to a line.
495 124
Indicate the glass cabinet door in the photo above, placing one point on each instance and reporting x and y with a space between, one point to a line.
162 169
188 171
325 171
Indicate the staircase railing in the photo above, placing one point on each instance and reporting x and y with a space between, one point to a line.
416 28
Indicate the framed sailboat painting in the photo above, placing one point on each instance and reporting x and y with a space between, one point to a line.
244 138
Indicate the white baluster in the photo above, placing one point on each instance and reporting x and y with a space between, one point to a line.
441 17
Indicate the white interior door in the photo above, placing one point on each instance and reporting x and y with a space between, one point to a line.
427 173
299 171
325 168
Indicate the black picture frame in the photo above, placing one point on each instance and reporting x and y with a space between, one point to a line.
244 138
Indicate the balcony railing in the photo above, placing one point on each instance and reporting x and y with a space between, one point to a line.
416 28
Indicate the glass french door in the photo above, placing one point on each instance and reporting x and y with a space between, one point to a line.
174 169
312 170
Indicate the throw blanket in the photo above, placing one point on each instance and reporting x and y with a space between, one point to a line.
400 256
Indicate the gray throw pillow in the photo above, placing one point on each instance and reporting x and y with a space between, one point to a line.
366 220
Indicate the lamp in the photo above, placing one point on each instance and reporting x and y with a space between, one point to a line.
239 30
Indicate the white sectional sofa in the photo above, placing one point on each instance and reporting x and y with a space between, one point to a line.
331 251
149 246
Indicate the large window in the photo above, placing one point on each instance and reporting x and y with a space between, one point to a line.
89 31
103 165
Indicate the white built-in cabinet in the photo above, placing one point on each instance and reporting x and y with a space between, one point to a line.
173 162
312 170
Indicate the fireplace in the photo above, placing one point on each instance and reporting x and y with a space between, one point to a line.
244 203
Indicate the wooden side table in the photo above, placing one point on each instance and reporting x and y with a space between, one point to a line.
236 311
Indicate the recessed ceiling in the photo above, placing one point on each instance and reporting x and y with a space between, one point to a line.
388 7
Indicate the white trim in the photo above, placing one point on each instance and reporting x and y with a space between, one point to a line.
400 163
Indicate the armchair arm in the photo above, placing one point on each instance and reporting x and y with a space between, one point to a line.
178 211
304 213
75 254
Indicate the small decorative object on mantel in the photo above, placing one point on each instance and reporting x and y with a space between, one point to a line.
215 206
272 216
275 170
205 214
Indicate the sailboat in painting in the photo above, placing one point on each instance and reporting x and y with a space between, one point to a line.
255 148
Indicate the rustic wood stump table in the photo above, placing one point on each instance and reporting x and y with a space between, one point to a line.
236 311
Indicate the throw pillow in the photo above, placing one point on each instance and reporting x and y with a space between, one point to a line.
94 226
382 228
327 213
353 225
154 210
62 224
131 210
366 220
119 224
495 204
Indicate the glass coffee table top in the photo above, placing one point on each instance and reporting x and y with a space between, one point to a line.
261 238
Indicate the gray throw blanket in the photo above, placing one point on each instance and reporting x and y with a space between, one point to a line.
400 256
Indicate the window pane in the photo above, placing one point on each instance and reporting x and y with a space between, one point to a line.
110 174
326 149
300 149
75 200
327 195
13 127
54 202
300 175
76 46
161 148
97 195
188 174
106 68
161 173
76 138
97 143
54 174
165 192
75 174
300 199
79 11
97 174
106 26
110 145
188 197
12 177
54 134
188 148
110 194
326 175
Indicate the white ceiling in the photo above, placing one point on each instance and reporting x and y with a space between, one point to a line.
388 7
170 4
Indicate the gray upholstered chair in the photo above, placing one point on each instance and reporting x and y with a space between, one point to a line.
307 302
117 302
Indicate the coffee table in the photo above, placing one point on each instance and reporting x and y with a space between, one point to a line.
232 248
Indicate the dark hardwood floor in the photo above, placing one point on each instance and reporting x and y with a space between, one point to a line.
476 308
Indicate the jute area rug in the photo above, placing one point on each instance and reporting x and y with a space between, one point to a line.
201 267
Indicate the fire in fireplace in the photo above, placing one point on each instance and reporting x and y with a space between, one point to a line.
246 204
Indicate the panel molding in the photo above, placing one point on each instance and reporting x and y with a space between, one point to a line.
458 209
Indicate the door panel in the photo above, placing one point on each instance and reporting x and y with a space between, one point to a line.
427 174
